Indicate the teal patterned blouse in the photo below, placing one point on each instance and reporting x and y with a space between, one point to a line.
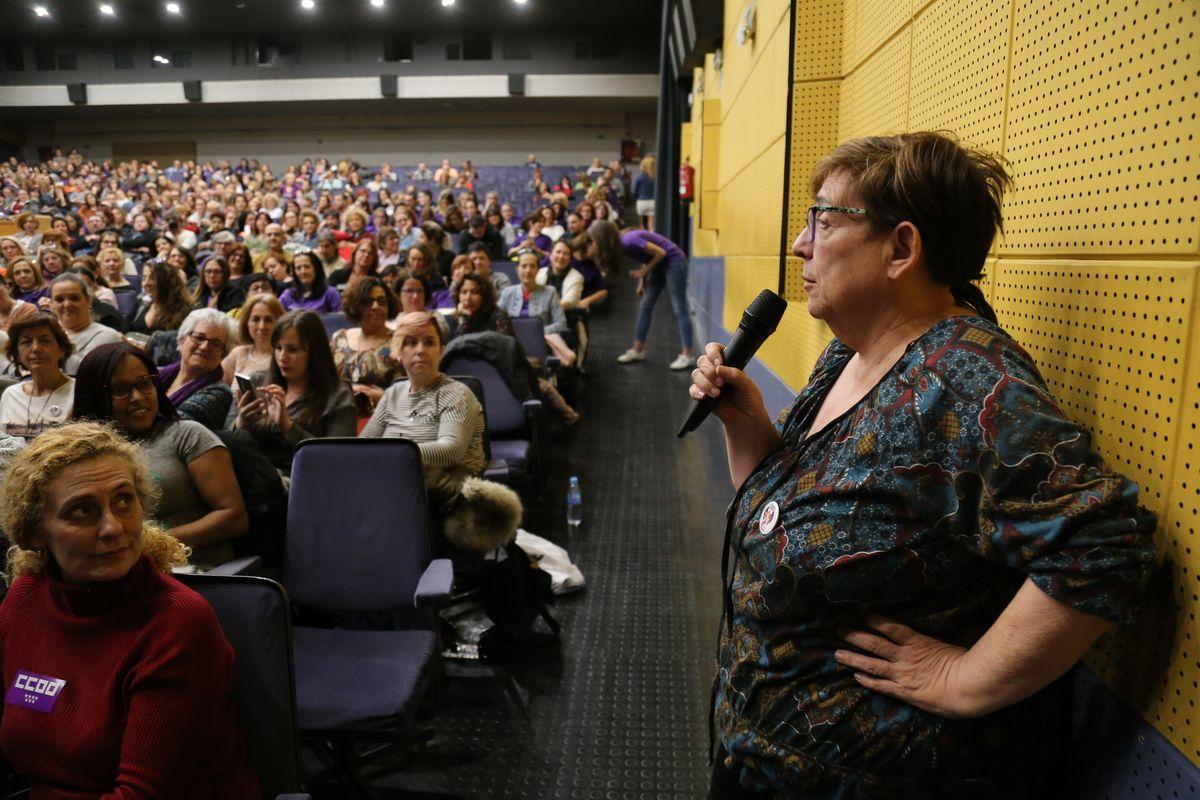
930 501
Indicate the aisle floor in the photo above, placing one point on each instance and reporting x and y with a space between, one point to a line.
620 709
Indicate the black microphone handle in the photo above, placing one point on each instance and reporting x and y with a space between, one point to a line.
742 346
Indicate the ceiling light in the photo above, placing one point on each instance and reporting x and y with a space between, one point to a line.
377 3
447 3
162 59
105 8
520 2
308 5
41 11
172 8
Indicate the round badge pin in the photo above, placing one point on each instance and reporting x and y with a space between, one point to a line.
769 517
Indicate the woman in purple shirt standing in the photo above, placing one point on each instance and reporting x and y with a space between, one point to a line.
309 293
664 265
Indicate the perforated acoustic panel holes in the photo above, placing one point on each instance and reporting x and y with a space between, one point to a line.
1102 127
819 40
869 23
875 97
959 70
1111 340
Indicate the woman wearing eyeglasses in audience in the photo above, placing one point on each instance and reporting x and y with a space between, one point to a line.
199 501
240 262
71 302
412 291
301 395
145 679
256 320
216 289
40 347
28 284
195 384
363 355
309 292
166 302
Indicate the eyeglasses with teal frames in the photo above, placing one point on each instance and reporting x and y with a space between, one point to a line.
814 210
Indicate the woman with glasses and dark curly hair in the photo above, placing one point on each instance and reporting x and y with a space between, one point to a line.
199 501
363 355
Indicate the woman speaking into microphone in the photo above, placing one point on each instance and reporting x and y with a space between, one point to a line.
923 543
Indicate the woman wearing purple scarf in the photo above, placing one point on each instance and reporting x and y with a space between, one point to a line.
195 384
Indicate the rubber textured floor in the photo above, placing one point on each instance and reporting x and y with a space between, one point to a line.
619 710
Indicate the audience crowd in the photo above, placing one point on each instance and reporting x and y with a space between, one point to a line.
212 317
192 303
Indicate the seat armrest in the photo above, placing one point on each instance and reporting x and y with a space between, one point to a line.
433 590
533 408
293 797
239 566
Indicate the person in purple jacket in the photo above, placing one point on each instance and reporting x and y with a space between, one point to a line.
664 265
309 292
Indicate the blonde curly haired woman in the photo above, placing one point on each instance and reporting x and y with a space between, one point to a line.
120 680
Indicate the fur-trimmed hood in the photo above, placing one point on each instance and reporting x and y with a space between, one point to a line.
486 516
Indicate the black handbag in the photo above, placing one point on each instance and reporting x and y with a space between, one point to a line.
514 593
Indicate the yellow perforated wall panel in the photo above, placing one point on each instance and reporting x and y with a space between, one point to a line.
814 133
875 96
1102 126
819 27
959 69
869 23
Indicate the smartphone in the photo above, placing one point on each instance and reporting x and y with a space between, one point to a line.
246 385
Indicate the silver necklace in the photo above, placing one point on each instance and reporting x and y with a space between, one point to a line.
54 410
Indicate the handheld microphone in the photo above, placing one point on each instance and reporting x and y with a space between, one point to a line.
759 320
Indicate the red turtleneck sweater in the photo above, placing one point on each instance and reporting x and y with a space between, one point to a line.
146 710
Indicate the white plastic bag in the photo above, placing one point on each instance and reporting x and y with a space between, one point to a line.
565 577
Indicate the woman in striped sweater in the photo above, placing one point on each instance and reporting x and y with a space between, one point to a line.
441 415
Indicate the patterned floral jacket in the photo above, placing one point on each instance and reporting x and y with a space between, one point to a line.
930 501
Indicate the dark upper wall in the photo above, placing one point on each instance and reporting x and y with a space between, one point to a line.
335 54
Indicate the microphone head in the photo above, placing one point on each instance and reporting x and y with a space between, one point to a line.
764 313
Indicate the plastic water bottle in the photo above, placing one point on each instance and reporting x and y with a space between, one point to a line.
574 504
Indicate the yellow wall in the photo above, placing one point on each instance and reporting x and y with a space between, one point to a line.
1097 108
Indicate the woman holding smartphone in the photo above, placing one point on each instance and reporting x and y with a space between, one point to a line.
300 395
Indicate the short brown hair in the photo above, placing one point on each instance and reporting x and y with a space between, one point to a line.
953 194
26 324
358 295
